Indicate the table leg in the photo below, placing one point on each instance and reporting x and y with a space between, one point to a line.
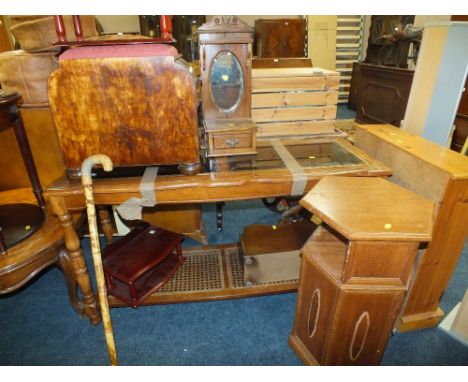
64 263
106 222
219 215
72 243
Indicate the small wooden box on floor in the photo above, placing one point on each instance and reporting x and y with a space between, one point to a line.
294 101
356 268
141 262
272 254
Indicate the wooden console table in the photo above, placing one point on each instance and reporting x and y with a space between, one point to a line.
261 176
440 175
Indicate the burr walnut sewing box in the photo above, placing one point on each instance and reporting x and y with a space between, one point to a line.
135 103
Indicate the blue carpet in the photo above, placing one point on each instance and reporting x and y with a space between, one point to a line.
38 326
342 112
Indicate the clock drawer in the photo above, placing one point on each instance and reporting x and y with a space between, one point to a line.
232 141
225 144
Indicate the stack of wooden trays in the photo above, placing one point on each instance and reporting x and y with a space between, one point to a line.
294 101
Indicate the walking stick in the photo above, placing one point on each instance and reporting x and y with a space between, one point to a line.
87 181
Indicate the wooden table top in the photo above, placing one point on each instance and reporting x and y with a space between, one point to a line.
50 234
371 209
264 175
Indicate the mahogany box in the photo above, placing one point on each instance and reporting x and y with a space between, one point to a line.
141 262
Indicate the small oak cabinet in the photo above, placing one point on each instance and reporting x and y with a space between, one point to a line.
356 268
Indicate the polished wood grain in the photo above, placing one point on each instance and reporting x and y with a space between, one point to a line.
212 187
72 242
106 222
135 110
174 191
44 248
454 164
441 175
280 37
278 62
259 239
44 147
184 218
394 213
382 93
354 273
227 137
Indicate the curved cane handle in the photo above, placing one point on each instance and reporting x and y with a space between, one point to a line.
90 162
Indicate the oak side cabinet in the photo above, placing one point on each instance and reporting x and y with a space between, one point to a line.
356 267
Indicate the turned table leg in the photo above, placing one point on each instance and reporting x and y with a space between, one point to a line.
106 222
72 243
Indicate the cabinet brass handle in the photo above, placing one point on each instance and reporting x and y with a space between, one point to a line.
232 142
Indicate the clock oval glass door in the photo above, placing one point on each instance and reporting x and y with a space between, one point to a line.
226 81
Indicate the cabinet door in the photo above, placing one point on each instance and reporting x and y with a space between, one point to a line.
280 38
316 301
268 38
362 322
292 38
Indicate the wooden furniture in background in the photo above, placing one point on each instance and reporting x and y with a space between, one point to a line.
280 38
460 134
226 63
134 103
184 30
353 96
382 51
5 37
294 101
356 268
238 179
440 175
44 147
44 248
278 62
380 93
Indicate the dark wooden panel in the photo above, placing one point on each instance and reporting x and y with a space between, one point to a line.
383 94
280 38
354 87
461 132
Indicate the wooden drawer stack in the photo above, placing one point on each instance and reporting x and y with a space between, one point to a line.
294 101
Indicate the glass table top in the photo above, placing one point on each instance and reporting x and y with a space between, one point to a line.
308 155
